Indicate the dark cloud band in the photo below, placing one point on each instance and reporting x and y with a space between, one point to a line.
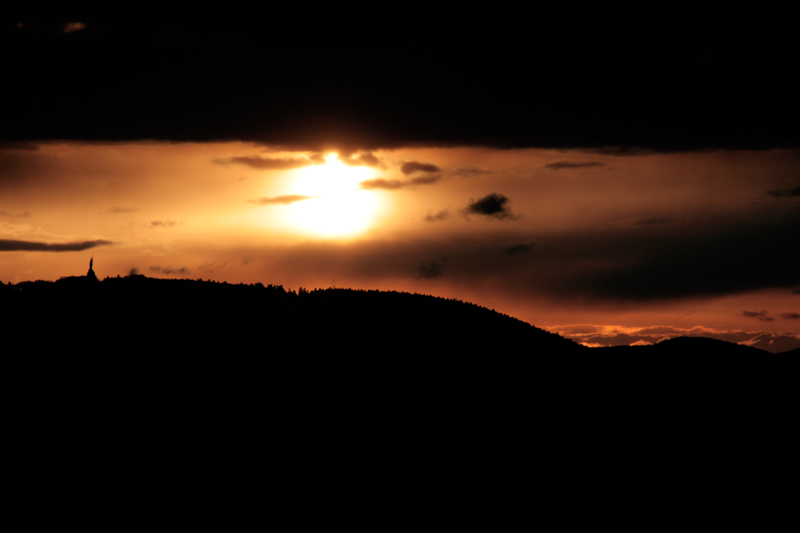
414 166
31 246
260 163
785 193
163 90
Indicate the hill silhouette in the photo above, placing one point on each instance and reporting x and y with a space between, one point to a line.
165 316
141 315
212 381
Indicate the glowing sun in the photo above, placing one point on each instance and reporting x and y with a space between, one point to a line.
338 207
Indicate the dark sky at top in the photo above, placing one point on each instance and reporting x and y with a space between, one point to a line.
570 76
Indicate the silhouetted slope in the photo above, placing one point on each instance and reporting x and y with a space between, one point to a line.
173 375
141 315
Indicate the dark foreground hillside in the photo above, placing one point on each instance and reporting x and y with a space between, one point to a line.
193 339
182 389
141 316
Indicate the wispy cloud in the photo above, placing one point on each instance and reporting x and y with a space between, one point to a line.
390 185
424 180
169 271
264 163
281 200
117 210
212 266
367 159
163 223
470 171
14 215
762 315
381 183
411 167
31 246
444 214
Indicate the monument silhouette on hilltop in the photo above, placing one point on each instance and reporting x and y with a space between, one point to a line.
90 274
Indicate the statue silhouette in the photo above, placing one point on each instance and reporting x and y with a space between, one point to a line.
91 275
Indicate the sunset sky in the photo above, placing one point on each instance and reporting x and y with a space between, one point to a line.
614 179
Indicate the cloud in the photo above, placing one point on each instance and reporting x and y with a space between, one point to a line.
117 210
492 205
438 217
560 165
594 335
169 271
641 342
520 248
380 183
30 246
785 193
163 223
212 266
284 199
796 290
789 316
391 185
14 215
702 257
360 104
424 180
133 271
602 265
367 159
771 342
71 27
261 163
761 315
414 166
431 269
468 172
654 221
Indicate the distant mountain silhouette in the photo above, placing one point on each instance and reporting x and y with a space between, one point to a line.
687 346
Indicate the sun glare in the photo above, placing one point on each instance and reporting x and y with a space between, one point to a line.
338 207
